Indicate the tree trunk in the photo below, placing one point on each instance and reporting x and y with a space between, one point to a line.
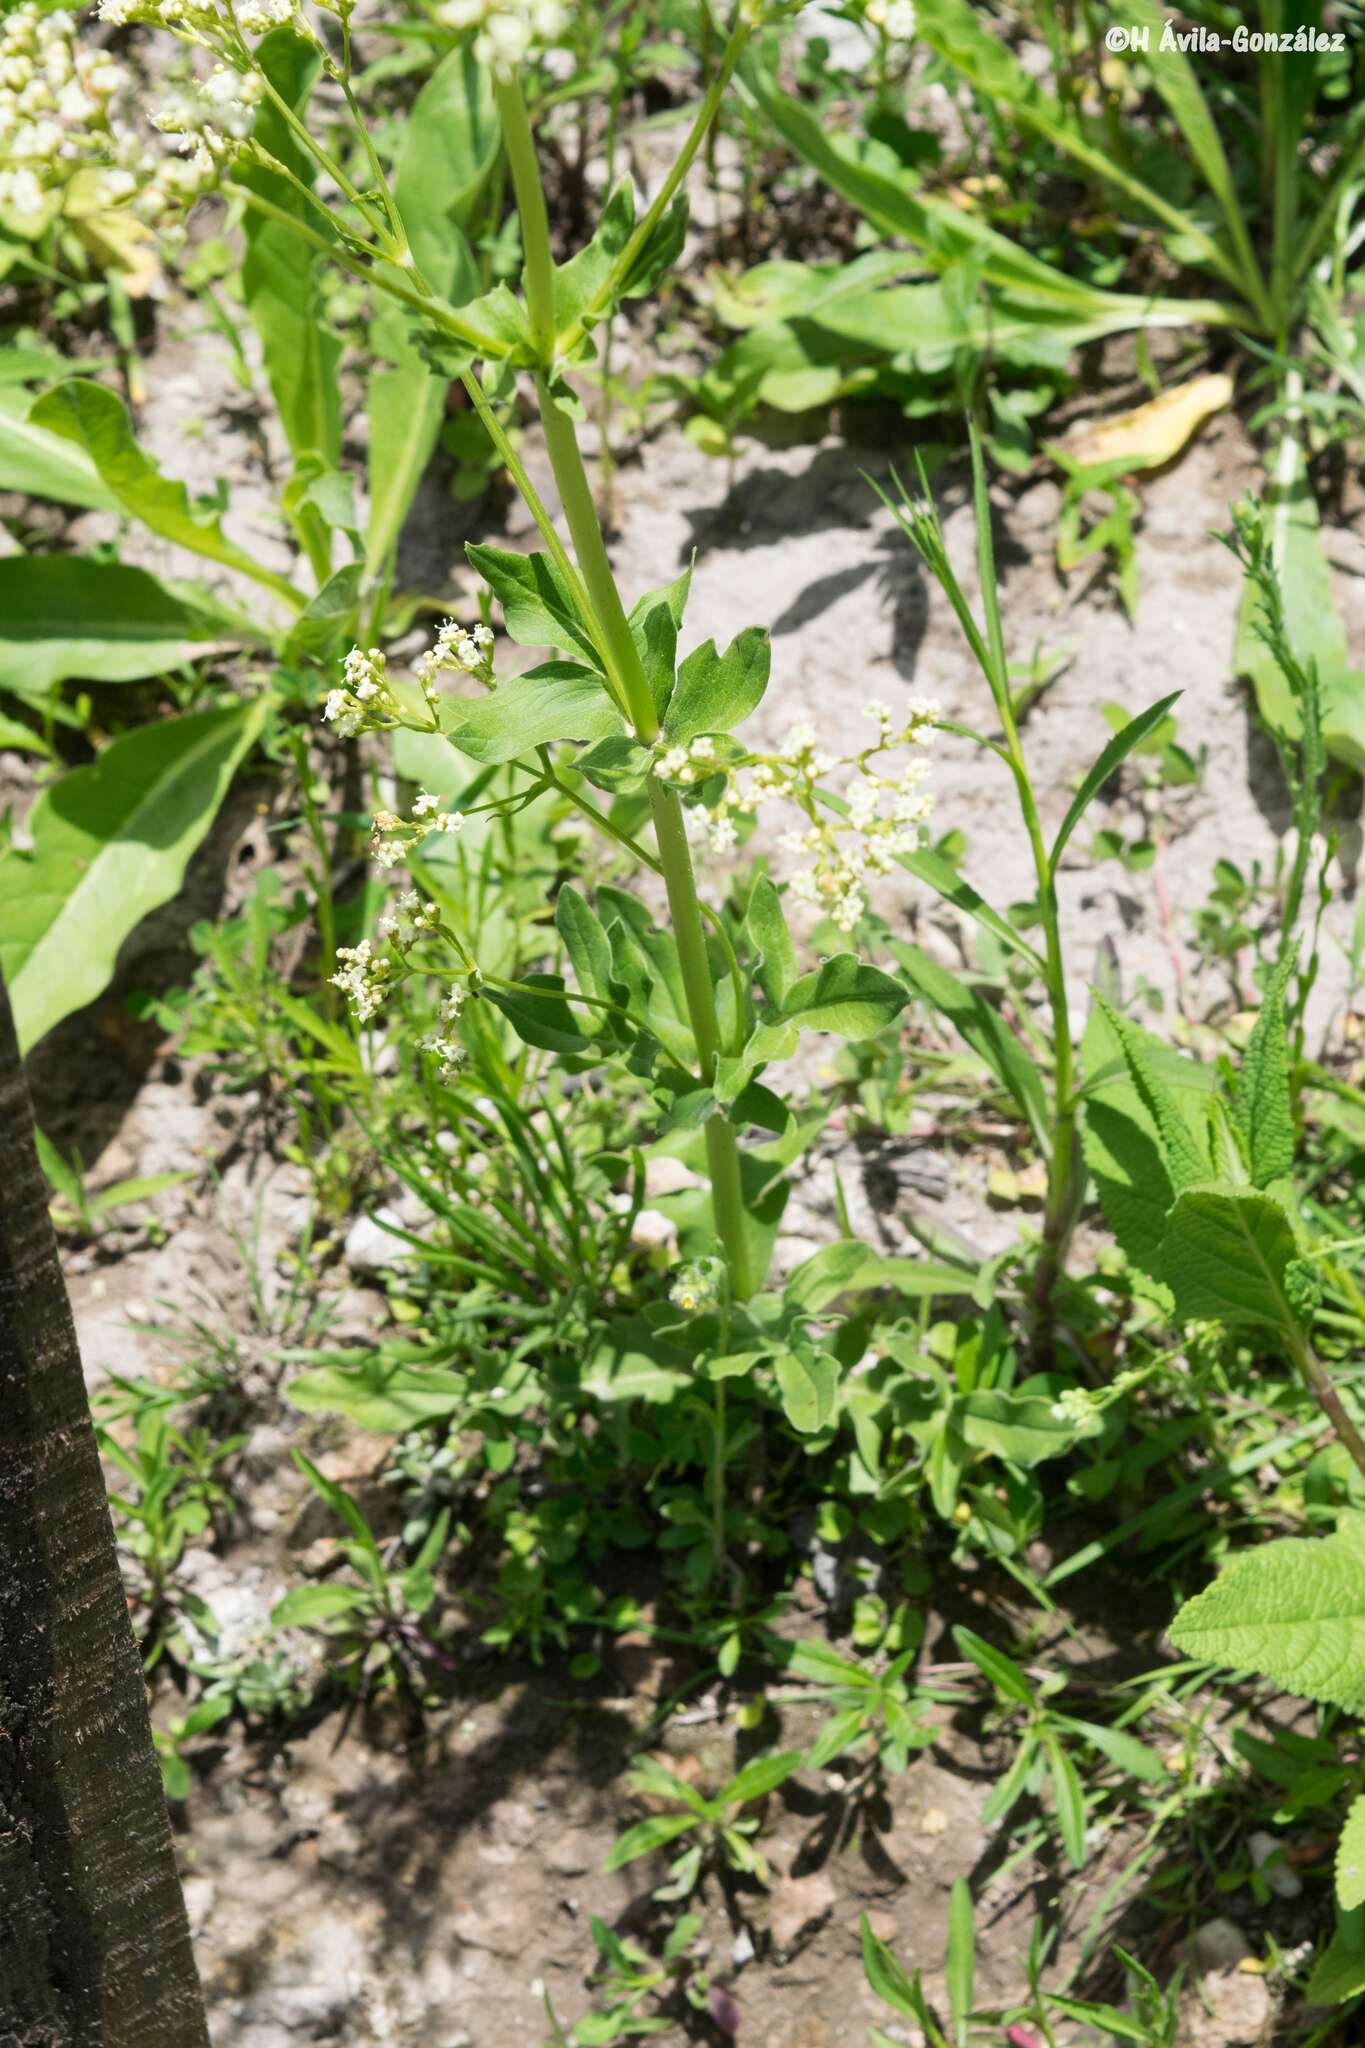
94 1944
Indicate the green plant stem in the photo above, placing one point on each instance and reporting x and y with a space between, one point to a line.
1318 1381
1064 1167
663 198
520 145
623 656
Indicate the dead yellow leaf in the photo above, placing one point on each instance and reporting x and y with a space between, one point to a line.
1151 434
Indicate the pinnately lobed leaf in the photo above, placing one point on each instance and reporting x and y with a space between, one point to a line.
1261 1104
1292 1611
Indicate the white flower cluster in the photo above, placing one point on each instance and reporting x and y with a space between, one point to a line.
365 979
64 139
365 702
508 30
422 917
689 764
465 652
895 18
393 838
886 811
443 1045
213 24
210 118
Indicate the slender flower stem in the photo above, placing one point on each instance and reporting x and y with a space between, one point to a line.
1064 1163
617 642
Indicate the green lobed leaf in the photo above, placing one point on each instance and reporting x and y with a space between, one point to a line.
110 843
64 615
538 610
1292 1611
560 700
1185 1158
715 692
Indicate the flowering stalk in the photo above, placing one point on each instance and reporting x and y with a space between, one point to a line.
618 647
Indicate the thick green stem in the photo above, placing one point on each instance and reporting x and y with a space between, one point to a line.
617 643
535 221
1319 1384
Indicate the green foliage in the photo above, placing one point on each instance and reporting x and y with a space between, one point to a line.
110 842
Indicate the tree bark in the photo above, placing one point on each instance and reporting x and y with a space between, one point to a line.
94 1944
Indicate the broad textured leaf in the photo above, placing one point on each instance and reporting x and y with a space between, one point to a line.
97 421
282 277
1292 1611
110 842
449 147
538 610
1261 1104
42 464
1224 1255
1184 1155
1112 757
62 615
1121 1144
715 692
557 701
1350 1864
